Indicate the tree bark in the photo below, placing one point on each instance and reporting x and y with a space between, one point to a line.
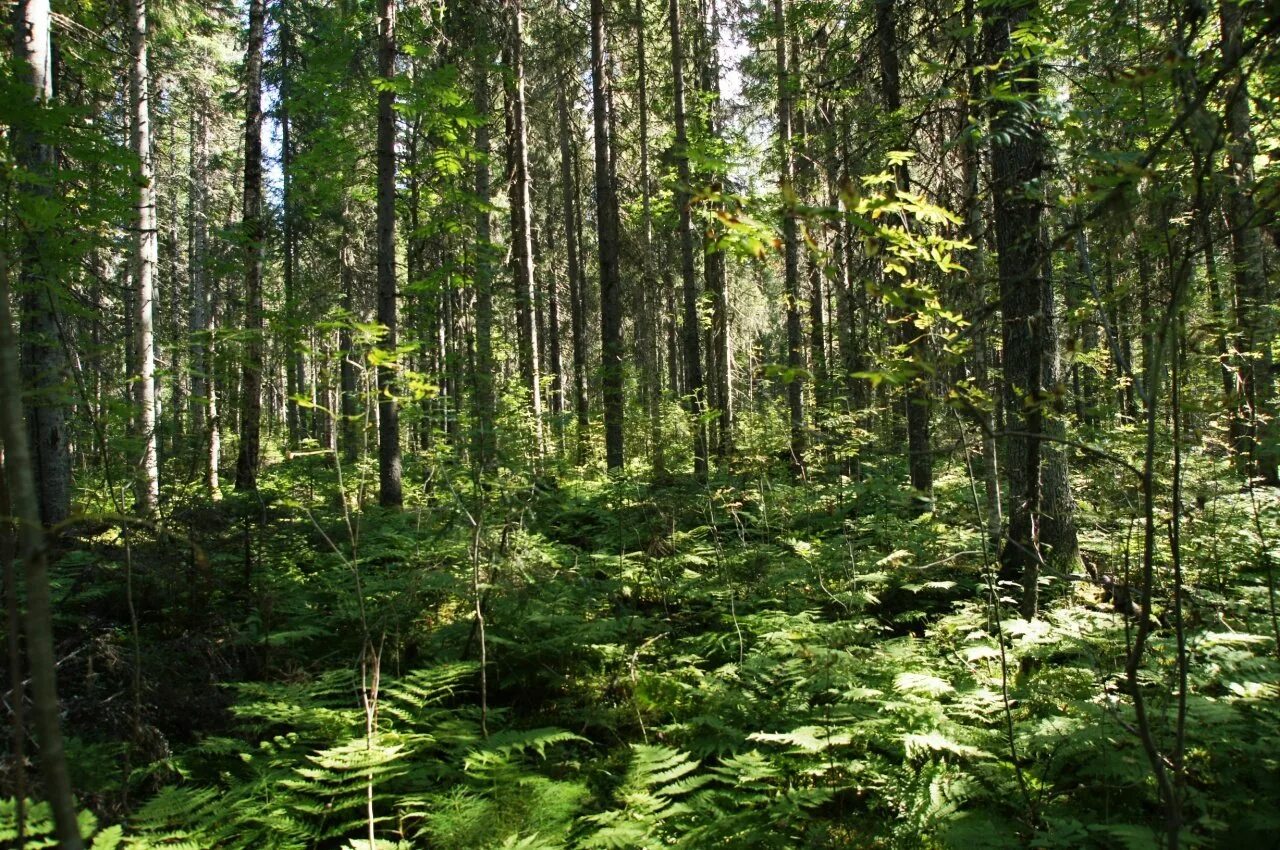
573 269
19 466
1017 165
484 439
390 491
692 348
145 256
1256 435
919 451
791 251
611 350
251 375
522 271
43 355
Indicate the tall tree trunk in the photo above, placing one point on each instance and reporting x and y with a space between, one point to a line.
975 230
251 375
295 373
919 451
522 272
43 355
1256 441
691 336
145 256
348 380
19 468
1017 162
484 440
714 259
611 350
791 255
573 269
649 317
198 321
390 492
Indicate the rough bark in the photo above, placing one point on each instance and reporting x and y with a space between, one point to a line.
611 350
145 257
791 250
916 397
692 346
1255 332
573 269
43 355
484 439
251 375
19 466
390 491
522 271
1017 166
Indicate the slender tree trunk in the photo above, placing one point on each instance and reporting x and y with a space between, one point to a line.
390 491
1017 162
1256 433
43 355
611 350
648 321
522 271
19 466
199 310
975 230
714 259
347 378
484 440
573 269
295 373
919 451
251 375
145 256
791 250
691 336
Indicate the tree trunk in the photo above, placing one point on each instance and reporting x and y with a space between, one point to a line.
251 375
484 440
145 256
919 452
43 355
573 269
1017 162
714 259
648 301
522 271
19 468
611 350
791 255
691 336
1256 442
295 374
390 492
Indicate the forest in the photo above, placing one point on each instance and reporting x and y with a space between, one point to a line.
637 424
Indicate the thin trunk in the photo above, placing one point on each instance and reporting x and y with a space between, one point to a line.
573 267
1256 441
714 259
692 343
522 270
19 467
145 256
348 378
1017 161
648 321
251 375
611 350
919 452
43 356
484 440
975 230
390 492
791 266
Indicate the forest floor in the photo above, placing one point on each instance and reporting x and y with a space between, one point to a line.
753 663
